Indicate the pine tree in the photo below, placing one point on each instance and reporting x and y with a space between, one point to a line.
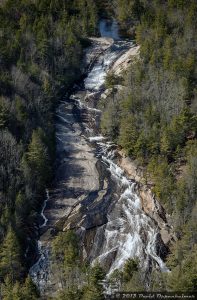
29 290
94 290
10 257
36 164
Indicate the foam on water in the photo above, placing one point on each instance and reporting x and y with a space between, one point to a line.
96 138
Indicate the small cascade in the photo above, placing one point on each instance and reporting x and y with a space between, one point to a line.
97 75
43 208
39 271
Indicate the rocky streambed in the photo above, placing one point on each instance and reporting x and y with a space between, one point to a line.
95 191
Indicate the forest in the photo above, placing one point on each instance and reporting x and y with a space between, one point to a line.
41 46
154 119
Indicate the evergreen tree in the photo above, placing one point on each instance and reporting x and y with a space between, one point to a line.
10 257
29 290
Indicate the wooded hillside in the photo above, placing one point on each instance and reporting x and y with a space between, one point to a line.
41 44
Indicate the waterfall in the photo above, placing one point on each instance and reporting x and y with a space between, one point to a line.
127 222
125 231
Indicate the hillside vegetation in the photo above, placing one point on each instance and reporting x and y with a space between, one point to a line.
41 46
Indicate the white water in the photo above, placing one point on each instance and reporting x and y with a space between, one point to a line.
43 208
97 75
39 272
127 223
96 138
40 269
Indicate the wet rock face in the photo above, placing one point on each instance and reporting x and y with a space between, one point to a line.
96 191
161 248
150 204
123 222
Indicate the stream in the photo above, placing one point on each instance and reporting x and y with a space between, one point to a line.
92 194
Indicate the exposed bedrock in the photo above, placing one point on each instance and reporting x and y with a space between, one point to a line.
98 191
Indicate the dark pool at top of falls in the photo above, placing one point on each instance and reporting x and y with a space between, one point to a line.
109 28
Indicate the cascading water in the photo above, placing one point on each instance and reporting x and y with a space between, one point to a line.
39 271
43 208
96 76
127 222
123 229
